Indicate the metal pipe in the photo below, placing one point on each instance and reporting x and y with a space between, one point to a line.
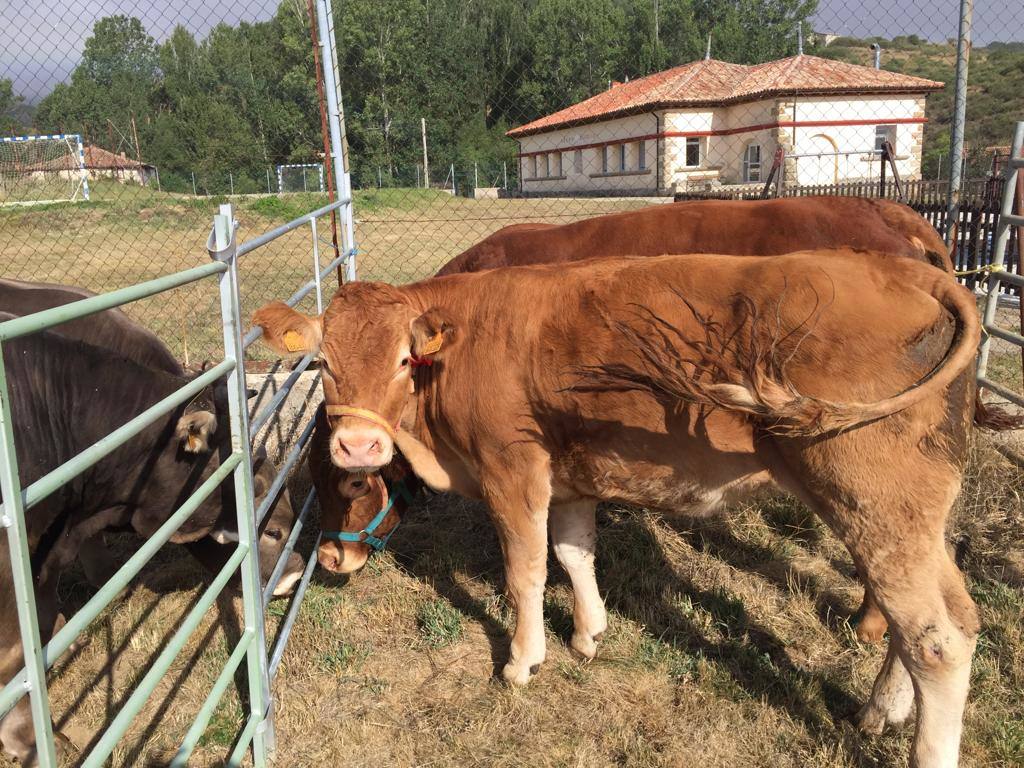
123 720
279 396
1002 238
247 735
295 298
188 744
276 232
956 155
282 472
34 680
223 235
293 611
77 624
54 479
336 122
41 321
289 547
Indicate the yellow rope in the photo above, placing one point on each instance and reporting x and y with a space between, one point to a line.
986 268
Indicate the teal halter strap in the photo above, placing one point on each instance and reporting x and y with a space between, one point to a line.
366 536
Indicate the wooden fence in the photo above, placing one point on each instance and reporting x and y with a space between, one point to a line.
976 222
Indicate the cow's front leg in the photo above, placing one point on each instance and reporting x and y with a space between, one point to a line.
521 516
574 538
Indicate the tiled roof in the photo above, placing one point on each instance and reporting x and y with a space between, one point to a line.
718 83
95 157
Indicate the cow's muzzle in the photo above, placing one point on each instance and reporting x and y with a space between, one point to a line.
362 449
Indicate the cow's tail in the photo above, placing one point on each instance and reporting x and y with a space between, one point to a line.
758 387
784 410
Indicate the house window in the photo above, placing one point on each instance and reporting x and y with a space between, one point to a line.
622 157
641 155
752 163
577 161
884 133
533 166
692 151
604 159
547 165
558 164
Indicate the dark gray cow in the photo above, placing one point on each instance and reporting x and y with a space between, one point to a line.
114 330
65 395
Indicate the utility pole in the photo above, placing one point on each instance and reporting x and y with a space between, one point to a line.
135 137
194 194
476 176
504 175
426 165
956 159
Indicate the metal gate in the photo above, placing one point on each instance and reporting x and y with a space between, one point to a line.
997 273
261 664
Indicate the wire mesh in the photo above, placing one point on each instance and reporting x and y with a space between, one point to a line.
464 118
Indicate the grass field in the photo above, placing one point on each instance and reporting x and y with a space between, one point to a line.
126 234
730 640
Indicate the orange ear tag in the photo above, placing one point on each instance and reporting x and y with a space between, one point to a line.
433 345
293 341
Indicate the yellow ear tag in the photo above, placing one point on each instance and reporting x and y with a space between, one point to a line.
433 345
293 341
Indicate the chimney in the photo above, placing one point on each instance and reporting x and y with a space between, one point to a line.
878 55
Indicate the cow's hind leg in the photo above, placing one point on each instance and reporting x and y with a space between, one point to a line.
574 537
896 538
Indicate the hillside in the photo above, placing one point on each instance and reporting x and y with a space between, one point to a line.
995 97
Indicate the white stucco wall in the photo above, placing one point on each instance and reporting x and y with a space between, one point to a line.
584 174
725 133
855 139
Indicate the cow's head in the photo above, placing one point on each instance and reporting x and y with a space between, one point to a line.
352 503
370 341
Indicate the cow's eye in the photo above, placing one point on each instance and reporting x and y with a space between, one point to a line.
274 533
405 361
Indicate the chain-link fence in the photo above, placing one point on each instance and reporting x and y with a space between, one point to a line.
463 119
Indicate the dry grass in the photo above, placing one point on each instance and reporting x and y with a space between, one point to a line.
127 234
730 644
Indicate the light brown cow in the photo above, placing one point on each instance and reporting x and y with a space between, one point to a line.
739 227
835 376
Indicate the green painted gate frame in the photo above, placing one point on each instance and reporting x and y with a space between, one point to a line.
31 679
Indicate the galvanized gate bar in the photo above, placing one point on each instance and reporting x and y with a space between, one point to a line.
996 273
251 245
299 295
289 546
293 612
271 408
282 474
77 624
41 321
158 668
24 584
222 240
73 467
188 744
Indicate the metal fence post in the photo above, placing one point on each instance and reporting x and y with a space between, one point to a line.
316 266
222 247
24 584
956 140
336 127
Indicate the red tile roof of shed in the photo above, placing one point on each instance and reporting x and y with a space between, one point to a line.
709 83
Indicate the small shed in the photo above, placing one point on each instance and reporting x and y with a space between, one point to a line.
100 164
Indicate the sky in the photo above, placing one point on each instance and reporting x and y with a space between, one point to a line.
41 40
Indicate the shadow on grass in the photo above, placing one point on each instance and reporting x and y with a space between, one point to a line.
448 542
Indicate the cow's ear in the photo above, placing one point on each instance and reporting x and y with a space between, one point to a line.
432 333
194 431
287 332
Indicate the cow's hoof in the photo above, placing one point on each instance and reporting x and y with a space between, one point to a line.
584 645
871 631
519 674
